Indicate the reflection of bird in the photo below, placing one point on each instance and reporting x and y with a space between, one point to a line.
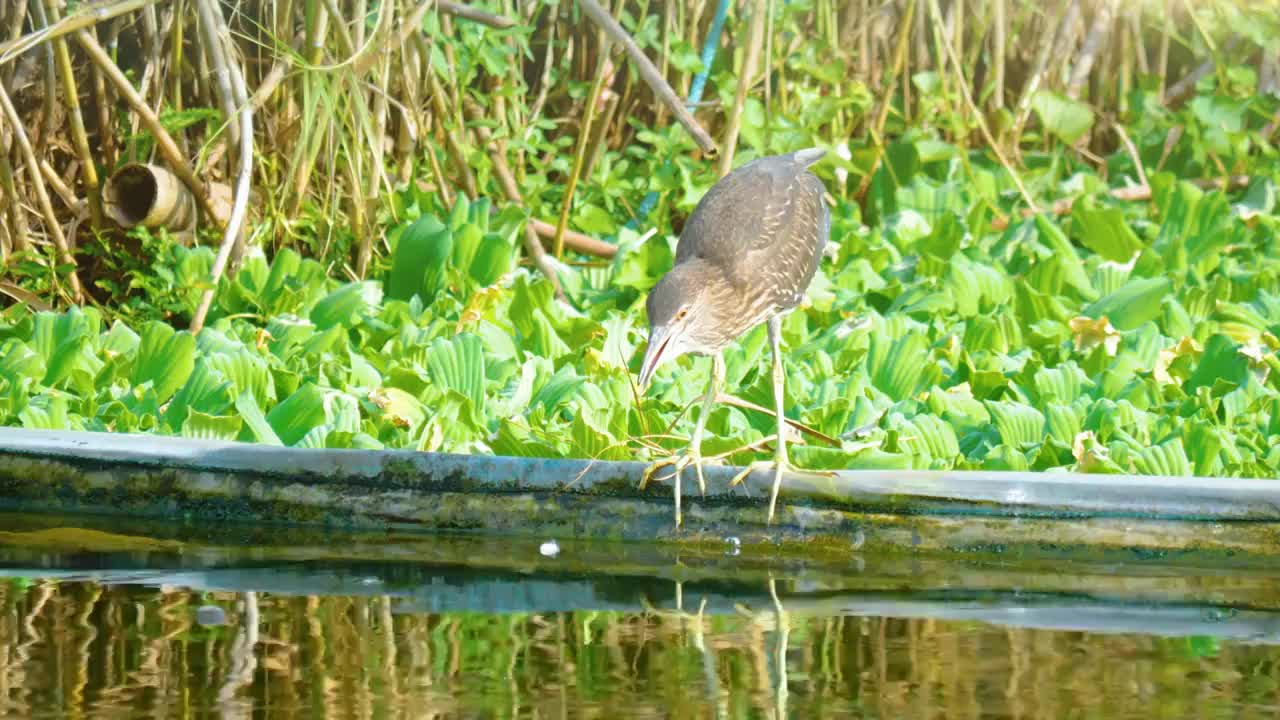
746 256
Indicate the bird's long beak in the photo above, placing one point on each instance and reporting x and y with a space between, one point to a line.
659 339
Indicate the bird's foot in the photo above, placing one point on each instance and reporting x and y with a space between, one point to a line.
678 462
779 465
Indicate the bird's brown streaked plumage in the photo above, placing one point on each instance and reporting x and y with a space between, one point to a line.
746 255
764 226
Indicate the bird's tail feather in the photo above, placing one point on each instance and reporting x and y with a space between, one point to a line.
809 156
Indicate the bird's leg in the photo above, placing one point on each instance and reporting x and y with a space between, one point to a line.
713 389
775 339
692 456
780 458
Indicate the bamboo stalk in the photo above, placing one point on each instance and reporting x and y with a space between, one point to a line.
38 130
886 96
64 191
576 241
42 194
93 189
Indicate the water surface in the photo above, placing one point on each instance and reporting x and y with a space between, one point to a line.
104 620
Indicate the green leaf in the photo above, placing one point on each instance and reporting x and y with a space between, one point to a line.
896 367
1064 422
1018 424
61 339
1168 458
347 306
47 411
1220 362
1104 230
1061 385
466 243
18 361
421 255
245 372
165 359
256 426
1072 267
492 260
298 414
458 364
931 436
1139 301
558 389
398 408
211 427
1065 118
206 391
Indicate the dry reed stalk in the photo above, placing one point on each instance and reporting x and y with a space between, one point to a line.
751 58
982 122
45 124
886 97
1036 78
82 19
164 141
440 101
1082 67
466 12
107 151
648 73
507 183
1181 90
42 194
576 241
376 178
998 53
64 191
19 233
580 151
218 33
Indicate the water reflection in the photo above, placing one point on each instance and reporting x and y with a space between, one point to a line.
91 635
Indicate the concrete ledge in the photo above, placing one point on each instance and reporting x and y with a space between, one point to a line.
153 476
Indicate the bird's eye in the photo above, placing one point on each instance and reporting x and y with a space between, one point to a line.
681 313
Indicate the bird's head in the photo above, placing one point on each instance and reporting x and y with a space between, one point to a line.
675 305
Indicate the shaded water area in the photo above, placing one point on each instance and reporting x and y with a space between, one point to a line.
110 618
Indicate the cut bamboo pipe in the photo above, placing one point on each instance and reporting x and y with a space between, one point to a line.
151 196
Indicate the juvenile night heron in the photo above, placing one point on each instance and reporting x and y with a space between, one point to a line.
746 256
